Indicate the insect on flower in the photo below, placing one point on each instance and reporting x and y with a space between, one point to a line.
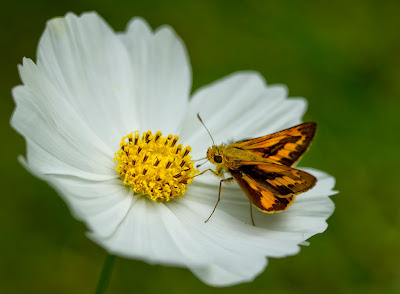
263 167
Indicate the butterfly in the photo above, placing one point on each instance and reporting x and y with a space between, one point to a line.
263 167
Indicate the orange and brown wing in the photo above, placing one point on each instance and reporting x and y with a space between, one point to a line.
272 187
285 147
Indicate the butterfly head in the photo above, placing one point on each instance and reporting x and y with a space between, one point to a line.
215 154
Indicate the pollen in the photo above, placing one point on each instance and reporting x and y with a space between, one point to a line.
155 166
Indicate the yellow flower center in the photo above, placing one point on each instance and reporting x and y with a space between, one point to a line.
154 165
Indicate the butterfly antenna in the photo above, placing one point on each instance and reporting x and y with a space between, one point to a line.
198 116
199 159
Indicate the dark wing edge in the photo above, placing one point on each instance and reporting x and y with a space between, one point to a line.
272 187
282 181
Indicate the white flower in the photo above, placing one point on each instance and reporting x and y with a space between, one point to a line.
90 87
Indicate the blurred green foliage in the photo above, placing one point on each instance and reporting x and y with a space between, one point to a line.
343 56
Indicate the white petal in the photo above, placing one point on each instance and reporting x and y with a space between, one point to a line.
237 107
161 75
102 205
88 69
237 250
46 164
57 140
151 232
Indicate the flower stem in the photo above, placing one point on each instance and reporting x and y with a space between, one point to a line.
105 274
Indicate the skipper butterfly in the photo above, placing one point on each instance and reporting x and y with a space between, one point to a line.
263 167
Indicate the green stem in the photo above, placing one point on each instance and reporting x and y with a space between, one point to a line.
105 274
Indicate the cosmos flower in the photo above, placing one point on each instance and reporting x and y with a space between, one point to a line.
95 99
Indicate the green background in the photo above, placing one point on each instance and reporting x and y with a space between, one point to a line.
343 56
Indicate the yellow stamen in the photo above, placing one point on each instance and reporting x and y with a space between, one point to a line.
155 166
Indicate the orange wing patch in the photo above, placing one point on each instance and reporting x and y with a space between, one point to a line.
272 187
262 198
285 147
282 181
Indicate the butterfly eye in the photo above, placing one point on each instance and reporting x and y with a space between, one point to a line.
217 158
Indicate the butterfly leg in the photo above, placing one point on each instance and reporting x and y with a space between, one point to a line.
219 196
251 214
204 171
